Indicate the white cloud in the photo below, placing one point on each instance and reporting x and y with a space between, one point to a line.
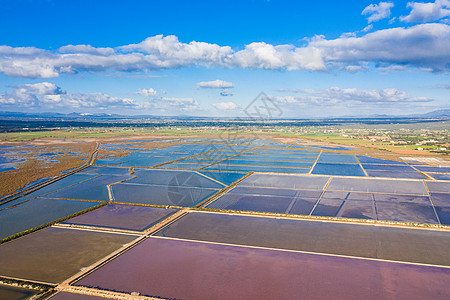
423 46
225 105
427 12
181 103
266 56
336 95
169 52
367 28
88 49
355 68
378 12
215 84
98 100
49 95
148 92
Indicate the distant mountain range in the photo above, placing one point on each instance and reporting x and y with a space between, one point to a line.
442 114
436 114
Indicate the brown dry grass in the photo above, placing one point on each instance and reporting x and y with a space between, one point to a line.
33 169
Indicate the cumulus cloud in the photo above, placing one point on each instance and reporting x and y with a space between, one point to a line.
336 95
151 92
170 52
225 105
378 12
49 95
215 84
427 12
266 56
423 46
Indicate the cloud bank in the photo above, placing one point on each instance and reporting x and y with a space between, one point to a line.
335 95
421 46
46 94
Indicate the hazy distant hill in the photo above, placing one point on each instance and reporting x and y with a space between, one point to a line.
440 114
443 114
436 114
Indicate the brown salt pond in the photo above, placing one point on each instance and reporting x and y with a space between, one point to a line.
179 269
15 293
54 254
70 296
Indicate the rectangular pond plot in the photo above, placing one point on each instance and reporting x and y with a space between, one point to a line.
264 191
287 155
226 153
332 148
357 210
108 161
34 212
438 176
438 187
199 159
348 196
268 163
271 204
373 160
337 158
94 189
251 273
393 198
328 207
184 166
302 205
286 181
443 214
406 212
145 162
338 169
440 199
123 217
174 178
275 158
226 178
15 293
245 168
400 244
395 174
345 209
398 168
161 195
433 169
372 185
54 254
106 171
63 183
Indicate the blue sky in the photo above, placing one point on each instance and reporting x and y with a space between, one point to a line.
312 58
